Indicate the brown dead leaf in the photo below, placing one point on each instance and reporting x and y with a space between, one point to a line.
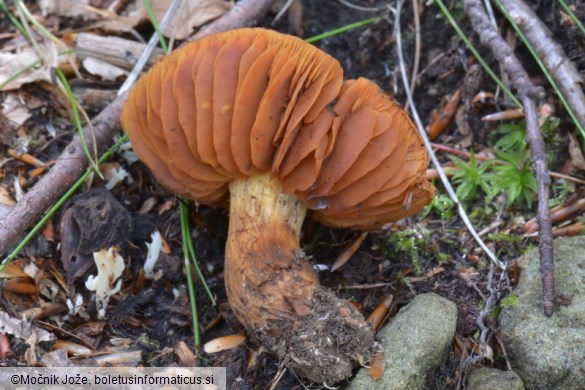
48 231
5 197
468 274
14 109
72 348
375 319
22 329
12 270
377 367
223 343
13 63
441 118
348 252
68 8
190 15
185 355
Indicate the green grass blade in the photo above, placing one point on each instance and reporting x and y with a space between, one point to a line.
22 7
77 121
14 20
186 238
342 29
25 69
573 16
161 38
476 54
19 73
191 251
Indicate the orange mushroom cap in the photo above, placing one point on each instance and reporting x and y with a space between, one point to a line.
253 101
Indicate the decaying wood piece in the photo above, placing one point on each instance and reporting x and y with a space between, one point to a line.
528 93
113 50
552 55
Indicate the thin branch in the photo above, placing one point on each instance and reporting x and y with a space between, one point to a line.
521 81
430 150
417 45
561 69
72 162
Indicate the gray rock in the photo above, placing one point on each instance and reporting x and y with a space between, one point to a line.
549 353
415 342
486 378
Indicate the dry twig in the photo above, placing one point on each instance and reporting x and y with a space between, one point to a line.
72 162
528 92
561 68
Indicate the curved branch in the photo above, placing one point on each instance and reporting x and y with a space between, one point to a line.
521 81
552 55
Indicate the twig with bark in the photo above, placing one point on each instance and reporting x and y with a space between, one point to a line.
563 71
528 94
72 162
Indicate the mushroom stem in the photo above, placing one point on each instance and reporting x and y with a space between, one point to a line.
274 292
267 275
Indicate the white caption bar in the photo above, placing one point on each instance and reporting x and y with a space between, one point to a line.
115 378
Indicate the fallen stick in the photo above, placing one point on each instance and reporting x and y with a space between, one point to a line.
114 50
528 93
552 55
72 162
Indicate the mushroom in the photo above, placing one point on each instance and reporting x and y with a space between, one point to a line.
268 119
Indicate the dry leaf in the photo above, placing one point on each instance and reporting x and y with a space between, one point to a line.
441 118
348 252
4 346
375 319
185 355
102 69
71 347
190 15
5 197
22 329
468 274
377 367
70 8
223 343
11 271
14 109
12 63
